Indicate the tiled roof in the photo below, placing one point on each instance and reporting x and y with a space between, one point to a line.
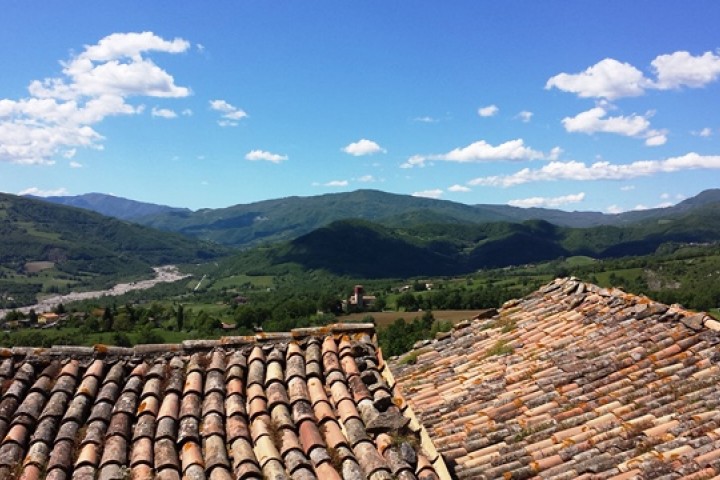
313 403
572 382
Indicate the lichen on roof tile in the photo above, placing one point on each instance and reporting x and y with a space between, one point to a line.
572 381
259 407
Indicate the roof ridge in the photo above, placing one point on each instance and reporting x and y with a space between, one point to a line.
191 346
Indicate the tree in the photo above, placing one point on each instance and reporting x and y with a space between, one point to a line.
107 320
180 318
407 301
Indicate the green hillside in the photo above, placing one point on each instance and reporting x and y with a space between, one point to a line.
289 218
46 247
359 248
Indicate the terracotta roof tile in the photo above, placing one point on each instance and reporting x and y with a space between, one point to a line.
273 406
590 383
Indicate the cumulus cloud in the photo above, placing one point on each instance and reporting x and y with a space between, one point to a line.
435 193
606 79
682 69
37 192
367 179
260 155
60 112
481 151
489 111
548 202
611 79
458 188
336 183
596 120
163 113
579 171
525 116
230 113
363 147
75 165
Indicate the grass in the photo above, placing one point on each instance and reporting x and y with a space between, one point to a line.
35 267
240 281
499 348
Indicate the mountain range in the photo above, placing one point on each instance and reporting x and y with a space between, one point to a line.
284 219
362 234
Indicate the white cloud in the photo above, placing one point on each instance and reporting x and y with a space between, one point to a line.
481 151
579 171
414 161
36 192
627 188
614 209
367 179
664 196
426 119
256 155
458 188
489 111
230 113
163 113
186 113
705 132
363 147
606 79
548 202
655 138
70 153
435 193
336 183
682 69
525 116
595 120
75 165
612 79
60 113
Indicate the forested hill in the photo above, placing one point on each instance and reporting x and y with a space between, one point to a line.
77 240
113 206
365 249
289 218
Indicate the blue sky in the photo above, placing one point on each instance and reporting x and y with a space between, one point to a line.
598 105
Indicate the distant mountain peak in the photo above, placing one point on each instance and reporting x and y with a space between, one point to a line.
113 206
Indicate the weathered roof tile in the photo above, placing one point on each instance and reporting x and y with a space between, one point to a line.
594 382
270 409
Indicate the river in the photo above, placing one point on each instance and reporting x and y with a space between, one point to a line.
164 274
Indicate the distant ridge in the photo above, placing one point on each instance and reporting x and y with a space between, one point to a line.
112 206
283 219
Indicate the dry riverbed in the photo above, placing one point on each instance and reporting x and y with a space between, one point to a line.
164 274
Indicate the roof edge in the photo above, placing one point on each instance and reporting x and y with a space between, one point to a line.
190 346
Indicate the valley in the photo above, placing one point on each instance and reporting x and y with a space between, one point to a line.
99 272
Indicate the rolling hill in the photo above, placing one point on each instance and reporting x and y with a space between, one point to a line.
283 219
71 246
359 248
288 218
